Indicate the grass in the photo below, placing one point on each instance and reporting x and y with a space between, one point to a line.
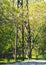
4 60
19 59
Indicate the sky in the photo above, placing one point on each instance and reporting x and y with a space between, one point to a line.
45 0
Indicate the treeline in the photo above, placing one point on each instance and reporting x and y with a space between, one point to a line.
22 30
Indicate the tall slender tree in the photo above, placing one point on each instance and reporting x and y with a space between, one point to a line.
16 35
29 33
20 4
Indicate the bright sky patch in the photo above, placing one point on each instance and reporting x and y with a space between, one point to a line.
44 0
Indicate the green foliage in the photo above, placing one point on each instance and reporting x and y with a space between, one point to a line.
11 20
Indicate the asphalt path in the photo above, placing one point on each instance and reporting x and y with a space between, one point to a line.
30 62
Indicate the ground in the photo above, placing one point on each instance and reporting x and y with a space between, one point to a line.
30 62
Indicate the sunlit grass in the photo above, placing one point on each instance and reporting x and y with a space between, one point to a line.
6 61
19 59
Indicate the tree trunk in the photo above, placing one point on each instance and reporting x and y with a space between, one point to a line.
23 40
14 46
29 41
29 35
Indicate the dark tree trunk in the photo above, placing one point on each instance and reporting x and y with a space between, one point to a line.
16 39
29 41
29 33
14 46
43 52
23 41
20 2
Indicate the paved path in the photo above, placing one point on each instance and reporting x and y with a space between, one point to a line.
31 62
